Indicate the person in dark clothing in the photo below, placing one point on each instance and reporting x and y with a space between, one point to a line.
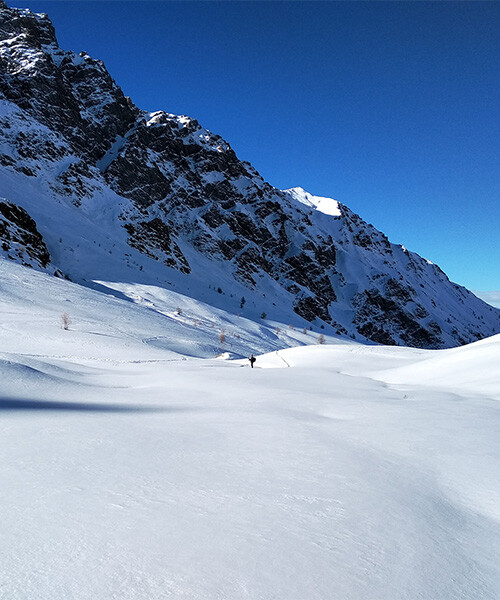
252 359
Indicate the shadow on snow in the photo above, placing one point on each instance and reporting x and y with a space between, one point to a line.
16 404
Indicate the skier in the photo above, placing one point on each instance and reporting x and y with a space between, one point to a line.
252 359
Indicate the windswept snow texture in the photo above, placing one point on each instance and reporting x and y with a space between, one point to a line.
131 468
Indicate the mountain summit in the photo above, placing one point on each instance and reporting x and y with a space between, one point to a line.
94 188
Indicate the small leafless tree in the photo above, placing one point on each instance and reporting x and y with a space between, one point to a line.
65 321
178 310
292 327
222 338
277 330
304 331
321 339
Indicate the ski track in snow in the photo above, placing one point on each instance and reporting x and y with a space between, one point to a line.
283 359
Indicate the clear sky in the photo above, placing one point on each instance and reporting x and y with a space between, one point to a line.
391 108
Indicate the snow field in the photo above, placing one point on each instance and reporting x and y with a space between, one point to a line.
132 470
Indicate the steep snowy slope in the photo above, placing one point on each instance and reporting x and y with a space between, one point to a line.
126 321
121 195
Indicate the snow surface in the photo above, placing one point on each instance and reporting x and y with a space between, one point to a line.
327 206
134 469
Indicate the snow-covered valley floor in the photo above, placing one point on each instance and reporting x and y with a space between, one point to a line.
133 468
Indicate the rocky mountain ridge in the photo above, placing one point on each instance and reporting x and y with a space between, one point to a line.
119 192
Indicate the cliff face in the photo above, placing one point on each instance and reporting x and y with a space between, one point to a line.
111 186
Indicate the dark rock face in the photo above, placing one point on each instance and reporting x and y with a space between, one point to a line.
184 195
19 237
149 236
378 316
310 308
72 95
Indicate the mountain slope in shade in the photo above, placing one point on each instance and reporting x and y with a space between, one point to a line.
118 194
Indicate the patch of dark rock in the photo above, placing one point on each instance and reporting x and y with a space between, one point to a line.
376 334
310 308
18 227
376 314
6 161
152 236
397 290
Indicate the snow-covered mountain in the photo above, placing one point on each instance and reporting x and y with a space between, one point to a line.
95 189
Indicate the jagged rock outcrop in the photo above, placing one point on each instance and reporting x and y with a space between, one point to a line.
71 94
20 239
174 193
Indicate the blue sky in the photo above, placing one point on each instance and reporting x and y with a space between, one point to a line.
391 108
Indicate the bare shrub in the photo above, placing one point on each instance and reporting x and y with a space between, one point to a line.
222 338
65 321
178 310
304 331
292 327
321 339
277 330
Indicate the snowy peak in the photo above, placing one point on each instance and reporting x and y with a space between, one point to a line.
121 194
327 206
